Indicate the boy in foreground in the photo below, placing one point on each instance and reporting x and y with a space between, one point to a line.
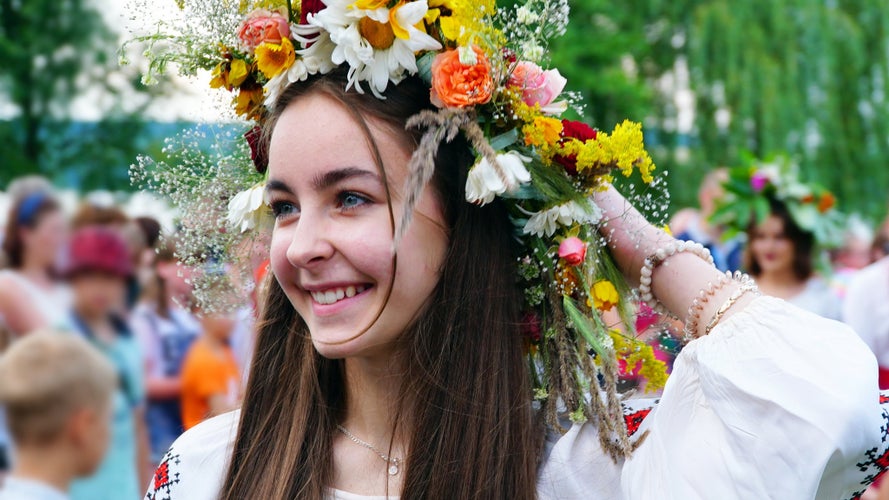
57 392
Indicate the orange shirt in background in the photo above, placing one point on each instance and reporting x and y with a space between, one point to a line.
207 371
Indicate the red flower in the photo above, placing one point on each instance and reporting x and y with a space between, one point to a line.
531 327
574 130
309 7
257 149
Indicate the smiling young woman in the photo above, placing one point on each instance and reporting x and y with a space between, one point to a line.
381 342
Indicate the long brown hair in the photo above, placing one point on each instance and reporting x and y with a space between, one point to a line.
803 243
473 431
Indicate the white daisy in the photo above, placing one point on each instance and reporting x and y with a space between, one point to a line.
248 209
314 58
484 183
567 214
379 44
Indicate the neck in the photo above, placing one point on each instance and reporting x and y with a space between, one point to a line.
372 387
45 466
36 270
98 323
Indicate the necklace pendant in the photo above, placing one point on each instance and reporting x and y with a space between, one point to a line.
393 467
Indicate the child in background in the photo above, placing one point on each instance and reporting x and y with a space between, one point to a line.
210 376
99 266
57 390
165 330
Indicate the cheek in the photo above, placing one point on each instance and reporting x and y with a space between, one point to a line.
278 253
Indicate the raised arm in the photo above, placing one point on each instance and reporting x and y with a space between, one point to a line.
680 278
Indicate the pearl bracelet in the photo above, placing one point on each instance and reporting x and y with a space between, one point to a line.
697 305
747 285
659 257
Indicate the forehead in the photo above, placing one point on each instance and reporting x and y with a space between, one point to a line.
773 223
316 133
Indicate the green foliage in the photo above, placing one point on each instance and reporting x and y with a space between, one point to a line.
804 77
54 51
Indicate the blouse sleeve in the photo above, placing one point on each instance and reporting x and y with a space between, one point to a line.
775 403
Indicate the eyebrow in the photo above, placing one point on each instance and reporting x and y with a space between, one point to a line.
325 180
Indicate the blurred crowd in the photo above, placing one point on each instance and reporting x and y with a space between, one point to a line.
95 273
106 349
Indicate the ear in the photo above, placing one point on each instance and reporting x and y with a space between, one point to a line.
79 426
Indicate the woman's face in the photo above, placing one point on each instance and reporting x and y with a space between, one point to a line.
46 239
771 247
331 248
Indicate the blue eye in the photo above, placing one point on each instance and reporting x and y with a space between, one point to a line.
283 209
349 200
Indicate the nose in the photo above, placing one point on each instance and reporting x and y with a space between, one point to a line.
310 242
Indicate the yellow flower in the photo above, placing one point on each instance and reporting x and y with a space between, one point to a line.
543 131
220 76
464 21
604 295
635 352
622 149
238 72
272 59
248 102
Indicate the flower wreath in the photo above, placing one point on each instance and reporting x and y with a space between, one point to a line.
750 188
482 66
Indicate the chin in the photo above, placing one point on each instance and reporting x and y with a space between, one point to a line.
341 345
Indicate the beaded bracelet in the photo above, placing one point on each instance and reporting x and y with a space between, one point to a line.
697 305
658 258
747 285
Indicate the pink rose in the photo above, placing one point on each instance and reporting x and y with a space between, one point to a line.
573 250
758 181
538 86
263 26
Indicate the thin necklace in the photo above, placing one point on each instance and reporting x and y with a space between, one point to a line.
393 462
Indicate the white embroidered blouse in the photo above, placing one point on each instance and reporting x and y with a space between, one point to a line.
775 403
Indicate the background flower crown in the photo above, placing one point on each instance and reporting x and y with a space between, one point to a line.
749 189
483 67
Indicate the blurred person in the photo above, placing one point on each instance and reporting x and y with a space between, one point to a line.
30 295
99 266
694 224
57 390
99 212
854 254
780 255
880 246
165 330
211 380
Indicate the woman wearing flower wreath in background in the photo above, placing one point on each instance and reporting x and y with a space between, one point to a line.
390 360
787 223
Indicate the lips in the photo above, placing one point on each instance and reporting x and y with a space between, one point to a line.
334 295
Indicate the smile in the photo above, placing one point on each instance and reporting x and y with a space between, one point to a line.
334 295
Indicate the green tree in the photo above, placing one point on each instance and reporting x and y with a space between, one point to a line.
54 51
805 77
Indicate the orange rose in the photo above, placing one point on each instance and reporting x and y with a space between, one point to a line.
263 26
459 85
826 202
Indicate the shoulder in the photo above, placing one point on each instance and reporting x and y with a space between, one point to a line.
194 466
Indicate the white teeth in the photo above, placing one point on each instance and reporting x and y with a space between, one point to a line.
337 294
